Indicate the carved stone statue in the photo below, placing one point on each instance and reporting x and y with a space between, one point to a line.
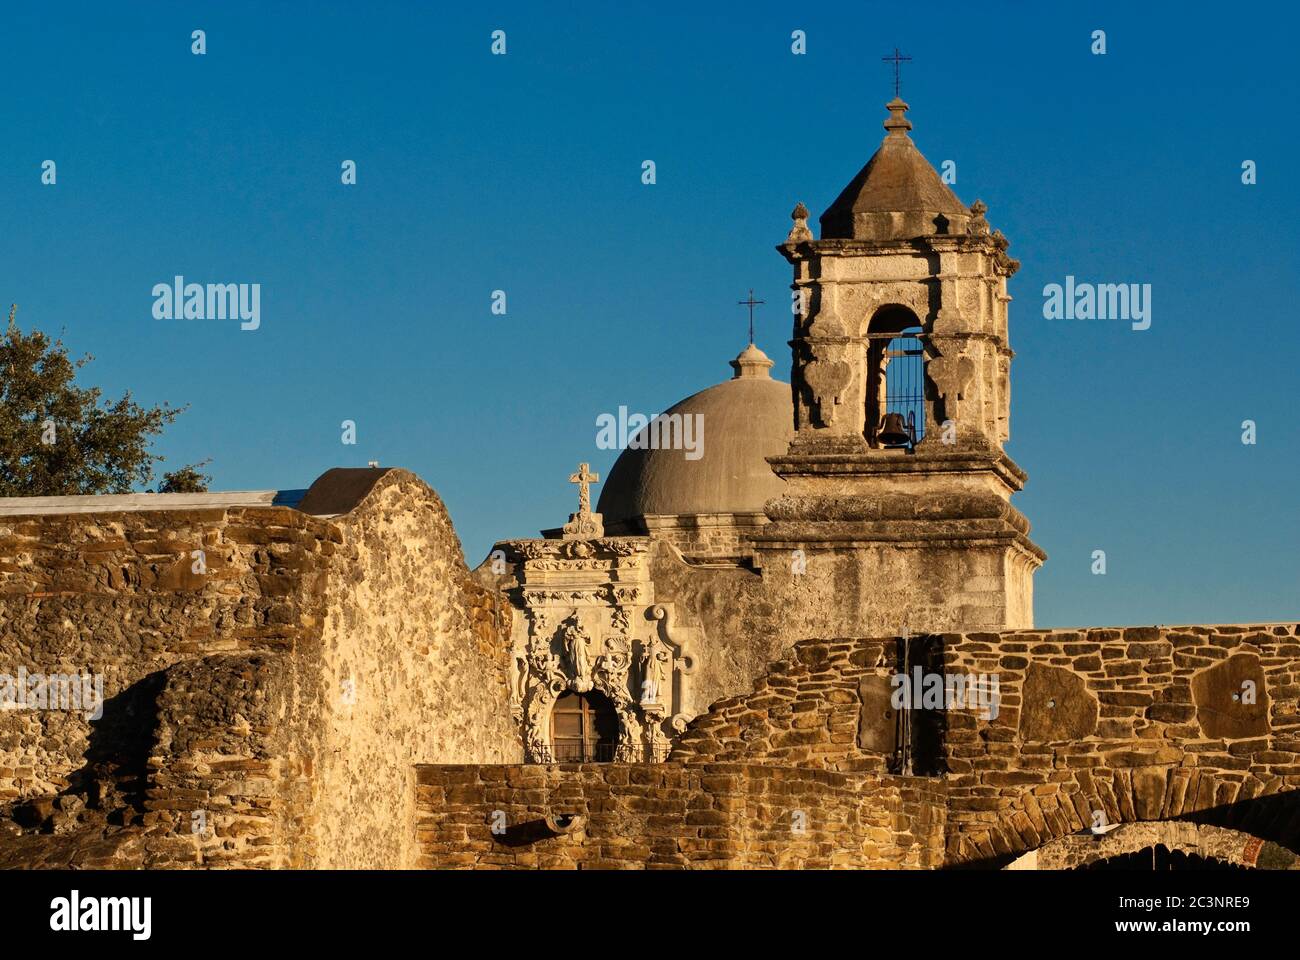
575 641
655 661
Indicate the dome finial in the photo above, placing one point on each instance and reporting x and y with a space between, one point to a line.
752 363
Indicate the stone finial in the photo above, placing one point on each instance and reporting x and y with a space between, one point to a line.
584 525
897 124
799 232
978 226
1004 262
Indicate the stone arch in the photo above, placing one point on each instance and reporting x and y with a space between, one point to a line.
1203 840
1257 805
892 317
877 301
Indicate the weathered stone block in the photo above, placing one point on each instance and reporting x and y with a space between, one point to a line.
1056 705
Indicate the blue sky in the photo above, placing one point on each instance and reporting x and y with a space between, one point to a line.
522 173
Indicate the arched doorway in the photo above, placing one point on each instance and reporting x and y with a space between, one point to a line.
584 728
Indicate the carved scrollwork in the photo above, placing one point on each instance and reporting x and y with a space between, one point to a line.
586 627
681 640
827 378
612 679
951 376
600 548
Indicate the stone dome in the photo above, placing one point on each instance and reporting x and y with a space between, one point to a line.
745 420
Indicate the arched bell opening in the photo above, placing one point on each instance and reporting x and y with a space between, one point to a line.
895 371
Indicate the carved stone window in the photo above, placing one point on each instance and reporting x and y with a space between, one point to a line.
584 728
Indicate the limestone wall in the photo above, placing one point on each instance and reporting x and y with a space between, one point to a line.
740 618
746 618
674 816
1100 726
117 595
1139 723
226 703
804 710
421 652
703 537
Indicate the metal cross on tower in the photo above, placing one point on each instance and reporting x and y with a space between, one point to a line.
898 60
751 303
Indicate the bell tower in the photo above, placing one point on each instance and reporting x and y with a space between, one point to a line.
897 483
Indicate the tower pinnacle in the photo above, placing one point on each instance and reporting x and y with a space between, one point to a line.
897 124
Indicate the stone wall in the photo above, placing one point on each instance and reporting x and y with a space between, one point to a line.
420 651
220 790
1137 840
746 618
804 710
741 613
737 626
1101 726
703 537
1121 725
674 816
117 595
263 708
916 580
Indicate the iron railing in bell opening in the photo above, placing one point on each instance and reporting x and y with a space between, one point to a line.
605 753
905 382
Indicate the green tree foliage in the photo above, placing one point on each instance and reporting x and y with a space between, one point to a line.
185 480
58 439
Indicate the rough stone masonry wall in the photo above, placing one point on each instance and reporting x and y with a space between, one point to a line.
675 816
747 619
804 710
1140 724
703 537
739 626
117 595
216 791
225 705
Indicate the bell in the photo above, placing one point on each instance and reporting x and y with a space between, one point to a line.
893 431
